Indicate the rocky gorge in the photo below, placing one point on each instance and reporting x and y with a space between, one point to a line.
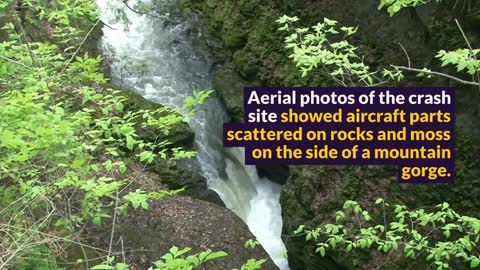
244 36
248 51
197 218
180 46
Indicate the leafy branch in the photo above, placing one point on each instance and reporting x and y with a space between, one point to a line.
442 237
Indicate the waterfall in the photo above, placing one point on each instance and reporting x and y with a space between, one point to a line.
163 57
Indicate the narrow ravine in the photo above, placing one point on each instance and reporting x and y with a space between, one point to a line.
163 56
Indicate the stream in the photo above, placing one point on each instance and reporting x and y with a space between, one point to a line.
164 57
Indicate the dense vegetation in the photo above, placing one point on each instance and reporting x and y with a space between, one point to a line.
444 238
69 142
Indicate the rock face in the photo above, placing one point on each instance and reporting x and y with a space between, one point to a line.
311 197
314 193
277 174
243 33
184 222
181 135
229 86
175 177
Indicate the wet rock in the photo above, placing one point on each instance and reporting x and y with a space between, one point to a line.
230 89
176 177
246 63
277 174
183 222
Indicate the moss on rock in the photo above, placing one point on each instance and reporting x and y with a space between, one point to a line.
232 39
313 193
246 63
176 177
181 135
229 85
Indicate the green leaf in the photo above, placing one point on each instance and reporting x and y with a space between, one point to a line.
97 220
119 106
322 251
121 266
108 165
94 167
130 143
174 251
474 262
181 252
78 162
122 168
299 229
103 267
216 255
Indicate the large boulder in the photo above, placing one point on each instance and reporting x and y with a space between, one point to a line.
229 86
182 222
177 177
145 235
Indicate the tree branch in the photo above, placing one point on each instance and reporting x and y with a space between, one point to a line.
406 54
15 62
112 234
80 46
468 44
139 12
437 74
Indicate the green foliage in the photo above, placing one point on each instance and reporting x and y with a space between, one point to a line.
251 244
253 264
176 259
140 198
111 265
441 237
462 59
40 258
394 6
318 47
66 139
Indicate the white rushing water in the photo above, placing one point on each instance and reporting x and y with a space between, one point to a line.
163 57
